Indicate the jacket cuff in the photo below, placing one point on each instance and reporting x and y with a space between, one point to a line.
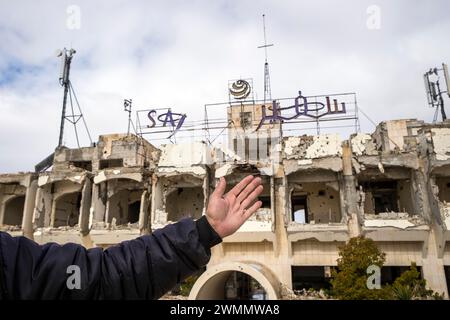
208 237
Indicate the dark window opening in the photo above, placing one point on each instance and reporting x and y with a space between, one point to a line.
384 195
390 273
241 286
111 163
300 208
311 277
443 184
246 119
266 201
447 277
133 211
85 165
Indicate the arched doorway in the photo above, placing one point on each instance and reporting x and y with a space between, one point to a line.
14 211
236 281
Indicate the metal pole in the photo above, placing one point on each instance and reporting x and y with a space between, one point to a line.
441 102
67 60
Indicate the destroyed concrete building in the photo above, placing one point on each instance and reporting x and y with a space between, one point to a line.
392 186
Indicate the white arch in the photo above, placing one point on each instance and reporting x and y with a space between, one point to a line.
210 284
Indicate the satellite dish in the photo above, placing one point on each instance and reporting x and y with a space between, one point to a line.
58 53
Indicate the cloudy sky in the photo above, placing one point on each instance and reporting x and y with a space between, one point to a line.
181 54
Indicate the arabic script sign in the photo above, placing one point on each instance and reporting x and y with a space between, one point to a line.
162 118
301 107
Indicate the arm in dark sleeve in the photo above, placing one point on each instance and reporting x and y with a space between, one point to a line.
143 268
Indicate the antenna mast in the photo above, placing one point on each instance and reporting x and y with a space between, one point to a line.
267 90
64 80
433 89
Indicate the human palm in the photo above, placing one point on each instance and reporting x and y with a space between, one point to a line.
227 212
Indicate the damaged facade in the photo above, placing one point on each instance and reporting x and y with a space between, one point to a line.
319 191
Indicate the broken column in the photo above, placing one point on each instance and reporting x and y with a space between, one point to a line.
350 195
85 208
30 200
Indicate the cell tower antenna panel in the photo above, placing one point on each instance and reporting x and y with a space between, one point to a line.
267 90
433 89
447 77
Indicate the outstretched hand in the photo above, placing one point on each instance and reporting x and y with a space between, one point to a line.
227 212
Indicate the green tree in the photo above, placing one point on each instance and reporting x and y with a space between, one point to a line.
410 286
349 280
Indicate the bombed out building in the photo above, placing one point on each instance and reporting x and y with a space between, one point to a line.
391 185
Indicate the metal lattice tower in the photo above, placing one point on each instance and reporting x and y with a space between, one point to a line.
267 90
69 92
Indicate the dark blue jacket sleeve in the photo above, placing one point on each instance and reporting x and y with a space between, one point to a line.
143 268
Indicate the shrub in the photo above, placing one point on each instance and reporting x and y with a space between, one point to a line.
349 280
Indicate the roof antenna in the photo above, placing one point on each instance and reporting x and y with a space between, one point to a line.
267 91
69 92
433 90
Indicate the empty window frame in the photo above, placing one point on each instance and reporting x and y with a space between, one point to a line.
382 196
299 205
111 163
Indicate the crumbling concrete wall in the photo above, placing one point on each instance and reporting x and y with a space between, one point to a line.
185 202
123 201
67 209
177 196
313 147
123 207
441 143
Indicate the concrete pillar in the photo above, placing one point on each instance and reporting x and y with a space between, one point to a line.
349 192
98 206
85 208
53 211
433 267
282 246
144 223
28 210
419 194
157 198
37 212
